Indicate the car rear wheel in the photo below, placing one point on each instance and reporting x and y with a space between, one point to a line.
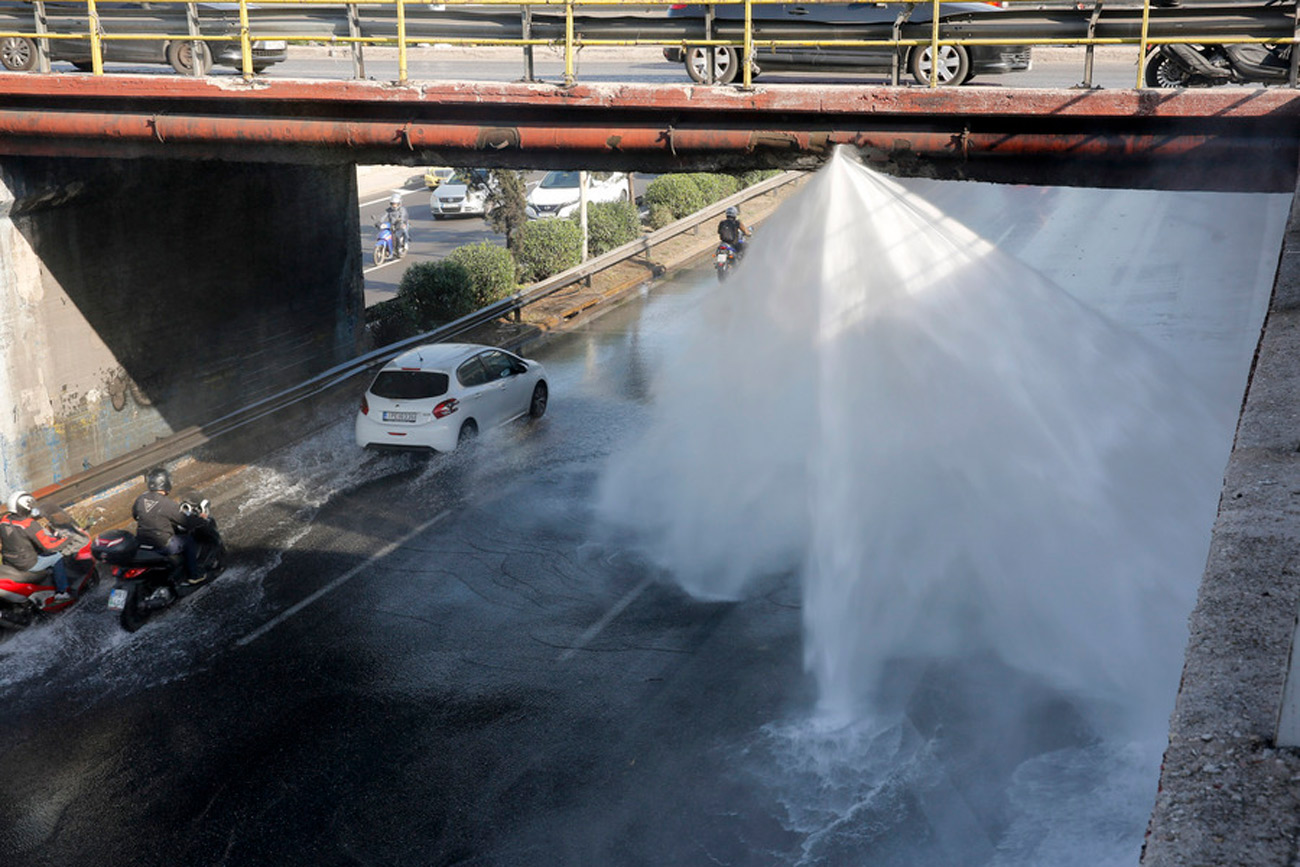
181 55
726 64
537 406
954 64
468 433
18 54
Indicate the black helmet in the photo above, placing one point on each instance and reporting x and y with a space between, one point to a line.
158 479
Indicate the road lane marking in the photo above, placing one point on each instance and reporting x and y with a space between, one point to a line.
339 581
596 628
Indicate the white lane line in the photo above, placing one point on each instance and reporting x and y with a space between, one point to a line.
338 582
595 629
388 195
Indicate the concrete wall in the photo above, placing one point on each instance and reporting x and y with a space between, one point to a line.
142 297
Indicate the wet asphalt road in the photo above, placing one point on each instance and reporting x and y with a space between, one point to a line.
501 688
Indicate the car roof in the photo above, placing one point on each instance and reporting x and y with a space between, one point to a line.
435 356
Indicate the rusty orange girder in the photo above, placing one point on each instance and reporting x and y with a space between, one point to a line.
1219 138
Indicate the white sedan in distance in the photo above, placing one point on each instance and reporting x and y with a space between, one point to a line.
440 395
464 193
557 194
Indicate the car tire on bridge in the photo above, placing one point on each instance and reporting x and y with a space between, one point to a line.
954 64
181 56
17 53
726 64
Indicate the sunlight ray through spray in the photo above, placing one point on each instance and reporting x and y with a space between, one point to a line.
956 456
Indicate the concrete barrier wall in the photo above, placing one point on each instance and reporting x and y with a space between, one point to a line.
142 297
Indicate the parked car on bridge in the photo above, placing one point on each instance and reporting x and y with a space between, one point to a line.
19 53
557 194
958 64
465 192
437 396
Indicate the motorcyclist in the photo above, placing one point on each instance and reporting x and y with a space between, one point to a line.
732 230
398 217
29 546
162 525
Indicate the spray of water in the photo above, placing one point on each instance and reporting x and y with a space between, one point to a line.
954 455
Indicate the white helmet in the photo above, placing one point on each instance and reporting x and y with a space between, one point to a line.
24 504
395 199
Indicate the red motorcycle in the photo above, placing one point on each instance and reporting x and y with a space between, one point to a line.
28 597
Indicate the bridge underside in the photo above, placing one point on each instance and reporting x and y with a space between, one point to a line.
1221 138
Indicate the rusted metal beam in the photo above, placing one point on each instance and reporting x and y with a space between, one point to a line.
1225 138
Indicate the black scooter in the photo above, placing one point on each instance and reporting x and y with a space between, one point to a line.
1211 65
149 580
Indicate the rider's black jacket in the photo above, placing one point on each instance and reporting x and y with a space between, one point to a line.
158 518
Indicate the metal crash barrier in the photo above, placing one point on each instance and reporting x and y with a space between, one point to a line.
192 31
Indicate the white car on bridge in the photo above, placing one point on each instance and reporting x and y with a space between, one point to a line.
437 396
557 194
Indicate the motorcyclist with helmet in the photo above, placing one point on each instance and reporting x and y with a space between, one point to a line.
162 524
399 218
732 230
27 545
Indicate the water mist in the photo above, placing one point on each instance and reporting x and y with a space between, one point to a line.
954 455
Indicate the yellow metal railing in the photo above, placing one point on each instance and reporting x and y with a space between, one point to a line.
572 41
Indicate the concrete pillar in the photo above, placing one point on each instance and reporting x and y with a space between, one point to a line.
140 297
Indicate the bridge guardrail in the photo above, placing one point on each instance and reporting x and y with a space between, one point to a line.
405 23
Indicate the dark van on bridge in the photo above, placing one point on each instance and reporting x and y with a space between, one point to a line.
958 64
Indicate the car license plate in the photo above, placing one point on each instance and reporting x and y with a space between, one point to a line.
399 416
117 599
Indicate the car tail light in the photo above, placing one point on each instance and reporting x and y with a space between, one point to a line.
365 405
446 408
678 6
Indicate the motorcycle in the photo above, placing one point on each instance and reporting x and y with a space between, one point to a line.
389 244
149 580
724 259
1211 65
27 598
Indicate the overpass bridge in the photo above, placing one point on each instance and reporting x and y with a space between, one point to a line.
151 286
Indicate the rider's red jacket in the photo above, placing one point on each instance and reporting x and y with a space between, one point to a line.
22 541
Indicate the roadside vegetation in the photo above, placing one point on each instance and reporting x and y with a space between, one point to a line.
472 277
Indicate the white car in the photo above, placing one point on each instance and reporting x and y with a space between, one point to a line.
437 396
557 194
465 192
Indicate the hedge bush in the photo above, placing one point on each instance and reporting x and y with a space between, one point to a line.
678 194
660 215
468 279
547 247
389 322
748 179
715 187
610 225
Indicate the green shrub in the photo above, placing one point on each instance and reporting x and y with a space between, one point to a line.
715 187
389 322
491 271
660 216
748 179
547 247
679 194
610 225
434 293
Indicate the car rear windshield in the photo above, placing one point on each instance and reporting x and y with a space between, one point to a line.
409 384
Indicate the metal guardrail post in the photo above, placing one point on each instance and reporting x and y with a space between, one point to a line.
934 44
1142 44
1295 49
569 75
96 47
401 41
895 61
747 52
527 29
711 76
245 43
42 45
354 33
1091 49
197 48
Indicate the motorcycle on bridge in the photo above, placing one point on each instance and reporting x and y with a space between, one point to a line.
1211 65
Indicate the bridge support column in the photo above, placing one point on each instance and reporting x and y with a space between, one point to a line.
142 297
